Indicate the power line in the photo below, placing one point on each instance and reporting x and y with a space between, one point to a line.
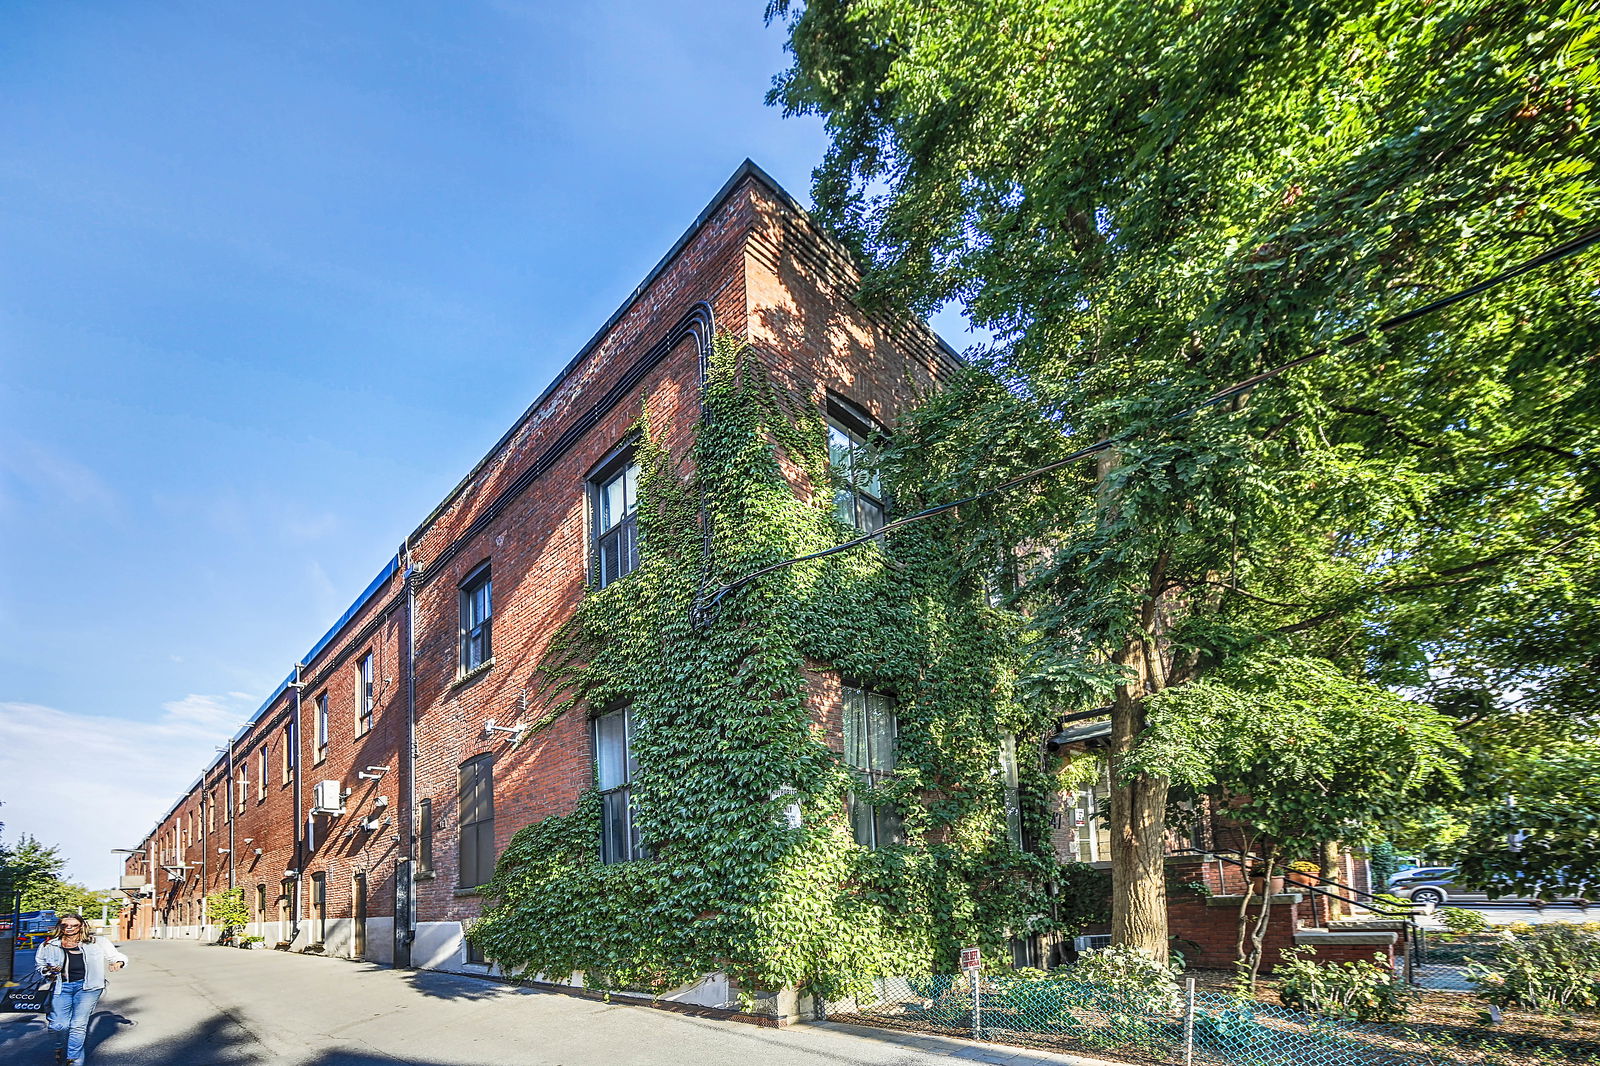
1552 255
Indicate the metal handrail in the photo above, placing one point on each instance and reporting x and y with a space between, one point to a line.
1371 905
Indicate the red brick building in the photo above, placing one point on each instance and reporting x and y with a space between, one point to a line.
368 797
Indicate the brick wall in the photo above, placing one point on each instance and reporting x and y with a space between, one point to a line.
751 265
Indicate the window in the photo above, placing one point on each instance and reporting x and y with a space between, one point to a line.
425 838
614 767
614 493
319 907
1009 782
320 732
475 796
857 493
870 736
211 812
261 903
476 649
243 796
1091 835
288 753
261 773
364 694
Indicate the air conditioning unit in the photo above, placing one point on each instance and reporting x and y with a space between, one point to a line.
1087 943
327 798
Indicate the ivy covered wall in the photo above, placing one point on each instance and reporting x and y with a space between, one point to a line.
729 732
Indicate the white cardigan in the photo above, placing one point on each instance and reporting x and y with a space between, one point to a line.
97 957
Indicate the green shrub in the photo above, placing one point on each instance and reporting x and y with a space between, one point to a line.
1128 977
1393 903
1365 991
1461 920
1556 968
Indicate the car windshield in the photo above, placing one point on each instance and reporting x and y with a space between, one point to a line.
1426 871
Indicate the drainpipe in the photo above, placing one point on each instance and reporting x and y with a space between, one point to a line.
205 848
404 937
299 824
233 809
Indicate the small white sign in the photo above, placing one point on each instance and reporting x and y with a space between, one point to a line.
970 959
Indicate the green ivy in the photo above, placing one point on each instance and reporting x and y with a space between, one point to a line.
725 738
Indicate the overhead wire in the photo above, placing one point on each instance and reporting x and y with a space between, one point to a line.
1565 250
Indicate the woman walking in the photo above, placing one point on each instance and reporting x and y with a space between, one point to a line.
77 962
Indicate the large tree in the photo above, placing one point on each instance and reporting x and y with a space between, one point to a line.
1147 201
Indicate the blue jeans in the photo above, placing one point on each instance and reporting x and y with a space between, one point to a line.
69 1013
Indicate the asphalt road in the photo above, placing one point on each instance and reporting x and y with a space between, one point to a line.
184 1004
1507 913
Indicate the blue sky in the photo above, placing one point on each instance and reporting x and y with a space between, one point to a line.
275 277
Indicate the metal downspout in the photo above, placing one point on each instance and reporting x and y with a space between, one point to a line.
233 812
299 815
405 937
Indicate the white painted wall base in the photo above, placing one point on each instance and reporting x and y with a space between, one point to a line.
380 941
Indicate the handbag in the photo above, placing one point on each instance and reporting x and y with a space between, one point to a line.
31 996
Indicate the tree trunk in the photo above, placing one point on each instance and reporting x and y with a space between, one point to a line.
1333 870
1138 819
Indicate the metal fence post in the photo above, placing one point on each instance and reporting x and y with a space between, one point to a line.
1411 948
1188 1026
977 1007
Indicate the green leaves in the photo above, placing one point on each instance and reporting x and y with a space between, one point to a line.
727 736
1299 750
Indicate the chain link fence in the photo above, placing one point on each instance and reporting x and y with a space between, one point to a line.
1188 1026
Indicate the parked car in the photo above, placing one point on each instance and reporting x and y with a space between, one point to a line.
1432 885
1437 885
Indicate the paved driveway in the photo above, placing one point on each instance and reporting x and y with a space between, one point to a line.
184 1004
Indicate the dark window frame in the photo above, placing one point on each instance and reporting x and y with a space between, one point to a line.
874 825
477 633
365 694
475 852
425 837
319 905
614 549
620 840
320 726
859 500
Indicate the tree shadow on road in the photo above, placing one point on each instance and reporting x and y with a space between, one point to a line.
436 984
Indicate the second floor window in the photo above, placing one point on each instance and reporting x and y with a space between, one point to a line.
261 773
288 753
615 767
615 495
1010 783
871 736
857 492
364 694
476 804
476 613
321 732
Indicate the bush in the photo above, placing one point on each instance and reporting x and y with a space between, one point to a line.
1461 920
1136 982
1365 991
1557 968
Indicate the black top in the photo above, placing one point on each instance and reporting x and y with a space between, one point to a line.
74 964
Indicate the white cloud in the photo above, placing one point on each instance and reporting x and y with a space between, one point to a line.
36 473
90 783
